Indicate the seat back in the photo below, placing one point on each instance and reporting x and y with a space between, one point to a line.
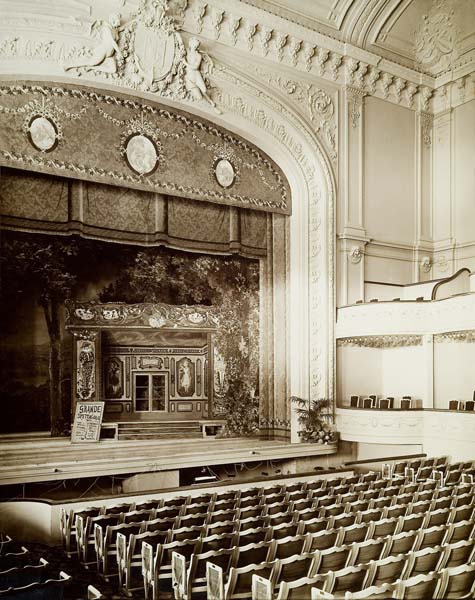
415 588
457 582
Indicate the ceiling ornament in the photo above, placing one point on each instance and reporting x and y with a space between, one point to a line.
435 40
147 52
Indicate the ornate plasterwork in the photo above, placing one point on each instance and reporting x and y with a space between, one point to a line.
318 104
145 51
355 103
321 359
435 39
426 264
356 254
381 341
467 337
155 316
427 122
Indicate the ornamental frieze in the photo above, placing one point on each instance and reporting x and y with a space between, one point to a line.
62 130
381 341
153 316
466 336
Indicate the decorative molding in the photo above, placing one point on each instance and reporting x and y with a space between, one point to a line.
261 183
146 315
265 37
167 19
402 317
355 103
321 322
381 341
435 39
467 336
153 350
271 423
426 264
427 122
356 254
317 103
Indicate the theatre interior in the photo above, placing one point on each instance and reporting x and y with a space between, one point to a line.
237 259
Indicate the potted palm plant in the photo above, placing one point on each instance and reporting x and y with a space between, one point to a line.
315 419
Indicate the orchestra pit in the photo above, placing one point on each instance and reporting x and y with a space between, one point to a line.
237 262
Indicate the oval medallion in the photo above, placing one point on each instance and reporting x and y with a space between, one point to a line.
141 154
224 172
43 133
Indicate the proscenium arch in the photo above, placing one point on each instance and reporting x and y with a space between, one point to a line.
297 281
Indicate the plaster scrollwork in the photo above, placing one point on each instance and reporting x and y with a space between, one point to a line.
280 42
411 91
9 46
359 75
425 95
356 255
399 85
322 57
427 121
334 65
319 105
442 263
217 17
373 76
249 33
426 264
385 80
265 37
308 54
294 49
234 25
199 14
355 103
461 87
435 39
351 67
321 364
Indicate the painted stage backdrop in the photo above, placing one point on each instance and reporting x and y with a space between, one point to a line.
40 272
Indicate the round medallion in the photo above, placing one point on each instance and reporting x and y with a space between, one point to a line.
224 172
141 154
43 133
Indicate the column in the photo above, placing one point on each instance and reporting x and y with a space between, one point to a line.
423 251
353 238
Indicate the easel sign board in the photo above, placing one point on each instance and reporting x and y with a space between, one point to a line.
87 422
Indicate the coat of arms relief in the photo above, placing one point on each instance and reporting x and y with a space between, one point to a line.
146 51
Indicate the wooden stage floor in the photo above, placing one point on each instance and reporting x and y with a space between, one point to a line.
25 460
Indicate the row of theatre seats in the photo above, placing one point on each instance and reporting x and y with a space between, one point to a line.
407 532
22 580
374 401
461 405
405 403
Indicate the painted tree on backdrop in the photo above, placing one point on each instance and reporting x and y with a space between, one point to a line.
228 284
48 266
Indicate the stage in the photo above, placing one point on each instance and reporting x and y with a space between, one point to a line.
25 459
